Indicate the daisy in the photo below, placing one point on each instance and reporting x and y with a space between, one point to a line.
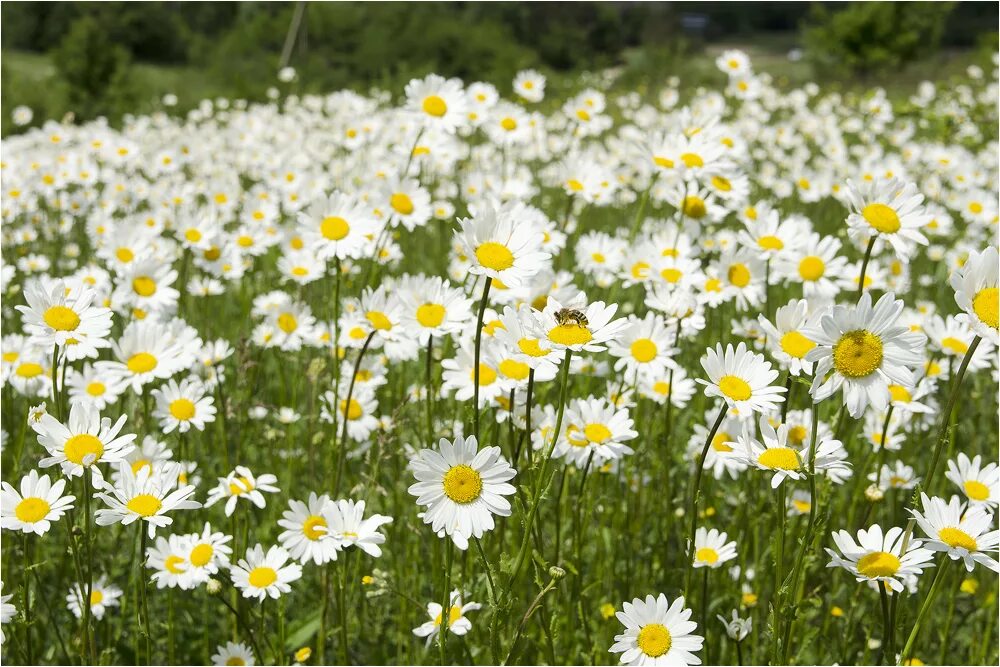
977 294
458 624
432 307
737 628
146 285
90 386
439 103
261 575
711 549
60 315
233 653
102 596
143 355
657 632
337 227
7 612
406 203
898 476
889 210
208 551
462 487
959 529
594 426
84 440
878 557
167 557
980 484
673 385
769 236
145 496
861 349
307 535
38 503
816 265
501 244
722 457
775 455
785 340
569 332
241 483
741 378
183 406
349 526
644 346
529 85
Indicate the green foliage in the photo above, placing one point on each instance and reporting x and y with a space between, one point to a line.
96 73
869 37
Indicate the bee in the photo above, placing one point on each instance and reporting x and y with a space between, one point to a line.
569 316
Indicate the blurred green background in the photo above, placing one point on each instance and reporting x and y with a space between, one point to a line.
109 58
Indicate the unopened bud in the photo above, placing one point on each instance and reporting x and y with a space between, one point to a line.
557 572
873 493
213 586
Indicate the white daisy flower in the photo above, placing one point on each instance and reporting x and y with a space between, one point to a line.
595 426
785 340
561 327
741 378
102 596
502 245
458 624
233 653
86 439
241 483
980 483
7 612
878 557
959 529
711 549
773 454
977 294
64 315
349 525
183 406
261 575
657 633
438 102
307 534
888 209
145 496
38 503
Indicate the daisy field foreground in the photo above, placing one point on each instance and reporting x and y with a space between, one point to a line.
466 375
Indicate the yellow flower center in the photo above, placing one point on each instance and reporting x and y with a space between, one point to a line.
770 243
83 449
878 564
660 161
976 490
508 124
694 207
244 486
957 539
662 387
494 256
899 393
171 564
654 640
797 434
487 375
857 354
401 203
462 484
643 350
454 614
142 362
212 253
182 409
811 268
779 458
597 433
530 347
707 555
144 504
986 305
96 388
435 106
515 370
334 228
300 271
262 577
722 183
32 510
61 318
570 334
671 275
955 345
192 235
245 241
378 320
287 323
144 286
734 387
881 217
739 275
430 315
96 597
796 345
692 160
720 440
124 255
354 412
314 527
235 661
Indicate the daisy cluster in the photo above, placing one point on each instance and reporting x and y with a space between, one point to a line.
455 306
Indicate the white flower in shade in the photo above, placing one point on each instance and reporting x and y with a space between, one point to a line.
241 483
657 633
595 426
233 653
862 349
561 327
93 387
145 496
349 525
58 314
711 549
183 406
960 530
438 102
888 209
785 340
737 628
742 378
774 454
261 575
168 558
673 384
102 596
979 483
84 440
462 487
307 534
38 503
722 457
897 476
502 243
457 623
529 85
337 227
878 557
977 293
7 612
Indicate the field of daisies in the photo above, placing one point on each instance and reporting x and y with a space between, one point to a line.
476 374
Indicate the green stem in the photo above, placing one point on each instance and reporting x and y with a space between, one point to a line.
342 451
924 608
475 371
445 625
864 269
946 415
693 502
